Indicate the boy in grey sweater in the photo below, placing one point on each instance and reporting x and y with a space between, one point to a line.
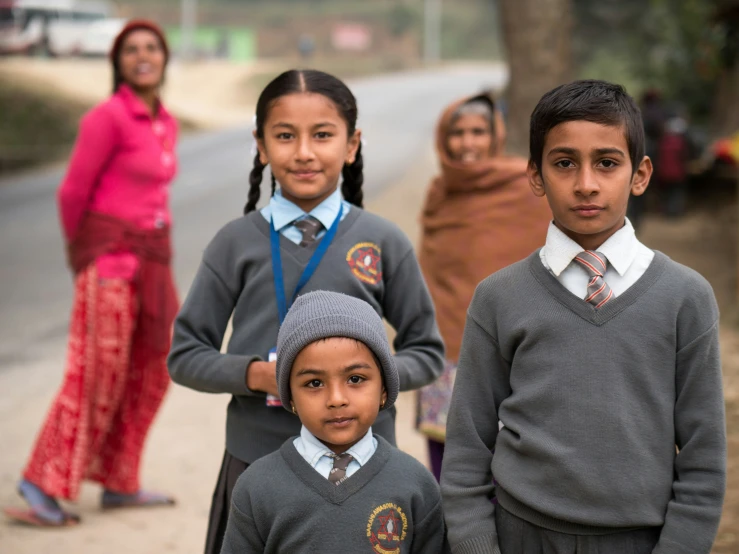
336 487
588 401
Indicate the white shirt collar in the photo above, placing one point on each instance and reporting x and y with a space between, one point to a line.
620 249
315 449
284 212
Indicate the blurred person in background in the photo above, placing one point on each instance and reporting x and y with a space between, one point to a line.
479 216
653 114
114 205
675 153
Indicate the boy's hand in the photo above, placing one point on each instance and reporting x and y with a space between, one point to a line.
261 376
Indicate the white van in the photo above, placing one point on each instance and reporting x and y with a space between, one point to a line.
99 37
51 27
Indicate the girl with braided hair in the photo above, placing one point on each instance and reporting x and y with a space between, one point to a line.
312 235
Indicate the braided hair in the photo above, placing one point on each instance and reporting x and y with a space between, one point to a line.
318 82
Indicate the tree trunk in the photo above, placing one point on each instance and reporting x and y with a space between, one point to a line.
725 116
725 120
537 36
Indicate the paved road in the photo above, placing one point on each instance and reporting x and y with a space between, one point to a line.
397 115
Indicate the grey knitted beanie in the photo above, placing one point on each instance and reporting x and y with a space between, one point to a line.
320 315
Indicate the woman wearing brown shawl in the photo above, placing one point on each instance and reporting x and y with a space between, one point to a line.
480 216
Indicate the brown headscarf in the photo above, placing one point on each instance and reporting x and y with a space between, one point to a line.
478 218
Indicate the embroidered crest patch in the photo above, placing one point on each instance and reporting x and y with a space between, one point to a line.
386 528
365 261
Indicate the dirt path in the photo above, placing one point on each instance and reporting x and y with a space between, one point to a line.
207 94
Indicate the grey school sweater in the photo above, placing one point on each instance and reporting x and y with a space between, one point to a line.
281 504
370 258
594 404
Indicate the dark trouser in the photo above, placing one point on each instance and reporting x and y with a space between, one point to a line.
436 455
636 210
675 196
231 468
516 536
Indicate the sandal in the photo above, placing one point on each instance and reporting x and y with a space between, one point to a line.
42 518
142 499
44 510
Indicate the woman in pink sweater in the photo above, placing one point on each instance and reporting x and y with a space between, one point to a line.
116 222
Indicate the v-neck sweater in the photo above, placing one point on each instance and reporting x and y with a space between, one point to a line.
369 258
593 404
281 504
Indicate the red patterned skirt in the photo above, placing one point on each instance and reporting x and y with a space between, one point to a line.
113 386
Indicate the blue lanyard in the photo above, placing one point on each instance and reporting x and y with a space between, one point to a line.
310 269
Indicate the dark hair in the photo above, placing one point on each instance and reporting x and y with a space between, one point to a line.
483 104
589 100
318 82
115 51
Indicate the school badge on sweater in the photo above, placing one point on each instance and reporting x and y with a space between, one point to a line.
365 261
387 528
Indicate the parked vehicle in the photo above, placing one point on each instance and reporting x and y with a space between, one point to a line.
99 37
50 27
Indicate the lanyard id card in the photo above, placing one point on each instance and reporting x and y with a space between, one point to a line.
273 401
283 305
282 301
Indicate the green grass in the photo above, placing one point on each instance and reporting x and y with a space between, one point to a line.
36 126
470 28
604 64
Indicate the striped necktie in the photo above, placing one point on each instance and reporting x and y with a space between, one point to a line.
338 472
309 227
595 265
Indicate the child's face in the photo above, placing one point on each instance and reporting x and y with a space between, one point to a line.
470 139
306 145
586 175
336 389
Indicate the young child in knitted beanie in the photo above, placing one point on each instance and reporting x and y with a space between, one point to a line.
336 487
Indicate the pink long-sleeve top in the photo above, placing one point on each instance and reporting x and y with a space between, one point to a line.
122 165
